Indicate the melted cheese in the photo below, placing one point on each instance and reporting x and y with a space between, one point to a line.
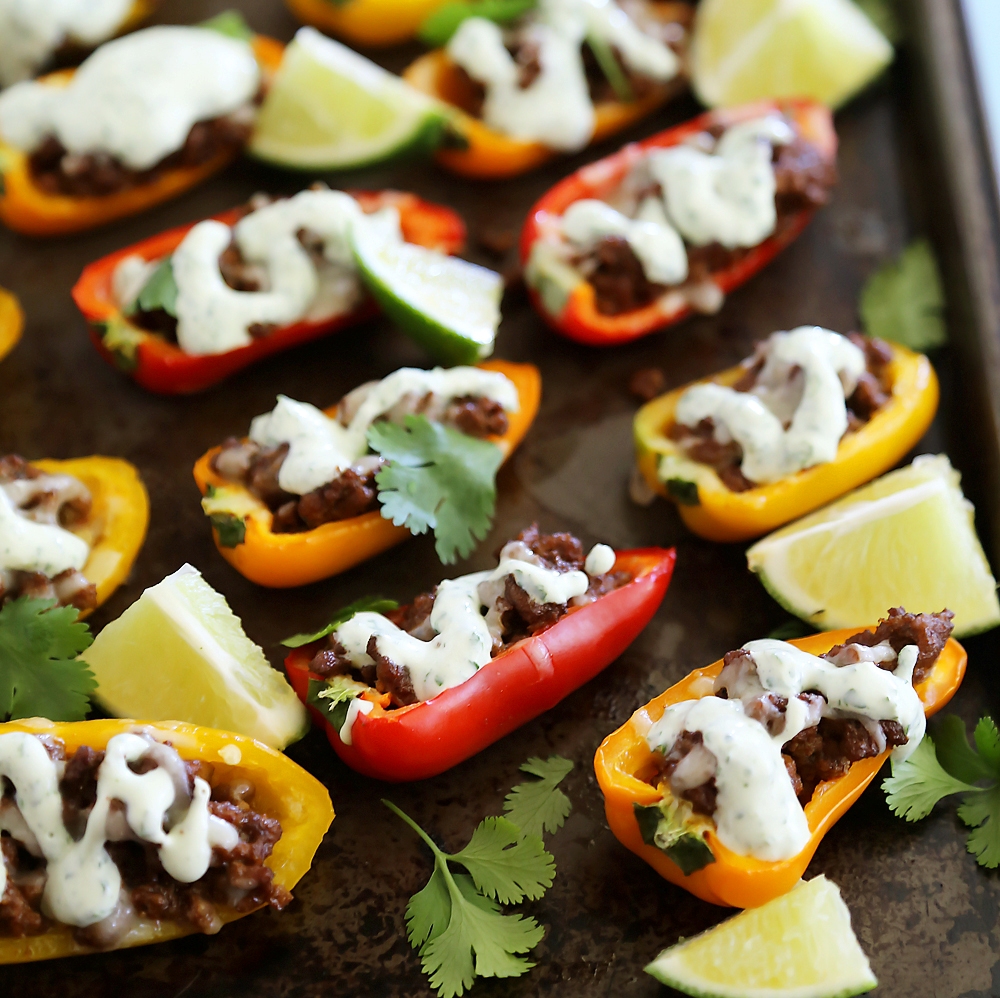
137 97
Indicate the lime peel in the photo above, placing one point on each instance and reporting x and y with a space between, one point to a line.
799 945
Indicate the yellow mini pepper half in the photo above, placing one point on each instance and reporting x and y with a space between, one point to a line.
119 516
285 560
366 22
715 512
282 790
11 322
624 763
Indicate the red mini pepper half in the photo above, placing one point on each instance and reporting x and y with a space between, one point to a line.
161 366
531 677
566 300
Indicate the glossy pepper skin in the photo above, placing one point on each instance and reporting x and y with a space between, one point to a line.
624 758
26 208
119 516
716 513
531 677
566 300
11 322
285 560
485 154
161 366
366 22
283 790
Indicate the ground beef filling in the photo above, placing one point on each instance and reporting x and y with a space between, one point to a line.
803 179
353 492
236 880
46 499
520 617
58 172
824 751
873 391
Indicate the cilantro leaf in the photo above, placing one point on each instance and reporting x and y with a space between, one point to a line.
540 806
980 811
159 291
987 742
367 604
955 754
506 864
460 932
229 23
917 784
40 675
437 478
438 27
904 301
332 697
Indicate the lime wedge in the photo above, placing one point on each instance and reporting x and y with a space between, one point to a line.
449 306
906 539
179 654
746 50
800 945
329 108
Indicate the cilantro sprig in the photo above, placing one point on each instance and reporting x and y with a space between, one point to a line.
332 697
441 24
904 301
159 291
437 478
456 922
952 766
40 675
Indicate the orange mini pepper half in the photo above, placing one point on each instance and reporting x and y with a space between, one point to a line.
116 525
366 22
11 322
485 154
624 758
25 207
529 678
566 300
284 560
163 367
282 790
715 512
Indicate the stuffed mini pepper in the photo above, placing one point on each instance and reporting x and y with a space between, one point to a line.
411 692
36 34
119 834
143 119
564 75
69 530
727 782
670 225
312 493
183 310
810 416
11 322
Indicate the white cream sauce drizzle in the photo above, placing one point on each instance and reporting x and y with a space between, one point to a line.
29 546
463 642
321 447
830 366
556 108
757 813
31 30
214 318
726 196
83 884
136 97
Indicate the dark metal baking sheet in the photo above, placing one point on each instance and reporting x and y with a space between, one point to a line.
924 912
